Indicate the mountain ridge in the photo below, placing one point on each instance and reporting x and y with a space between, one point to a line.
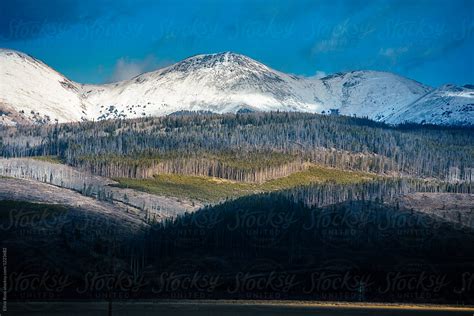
223 82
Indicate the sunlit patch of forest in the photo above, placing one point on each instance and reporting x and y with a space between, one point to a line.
212 189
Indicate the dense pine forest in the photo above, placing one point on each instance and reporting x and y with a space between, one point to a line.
249 147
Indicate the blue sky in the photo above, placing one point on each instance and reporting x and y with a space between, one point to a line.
101 41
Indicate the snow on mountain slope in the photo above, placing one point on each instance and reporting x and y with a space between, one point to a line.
447 105
220 83
371 94
227 82
30 91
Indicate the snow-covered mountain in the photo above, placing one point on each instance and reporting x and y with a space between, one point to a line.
219 83
371 94
447 105
30 91
224 82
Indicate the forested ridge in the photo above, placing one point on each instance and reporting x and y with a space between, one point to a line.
251 147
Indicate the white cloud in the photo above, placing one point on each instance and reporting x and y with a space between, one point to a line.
318 75
342 35
126 68
393 53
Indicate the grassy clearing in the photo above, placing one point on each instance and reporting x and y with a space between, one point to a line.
252 160
244 161
209 189
51 159
316 174
199 188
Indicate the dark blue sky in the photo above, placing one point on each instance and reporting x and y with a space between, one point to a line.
100 41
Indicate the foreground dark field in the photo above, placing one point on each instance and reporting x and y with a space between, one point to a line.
232 308
257 247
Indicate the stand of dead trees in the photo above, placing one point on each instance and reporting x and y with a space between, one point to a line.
176 143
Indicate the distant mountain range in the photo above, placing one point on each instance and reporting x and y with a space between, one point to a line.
31 91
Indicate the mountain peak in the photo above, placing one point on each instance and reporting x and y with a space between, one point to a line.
32 91
221 83
227 56
14 54
215 61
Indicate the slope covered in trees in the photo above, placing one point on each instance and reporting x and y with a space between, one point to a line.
201 144
257 247
147 206
301 252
